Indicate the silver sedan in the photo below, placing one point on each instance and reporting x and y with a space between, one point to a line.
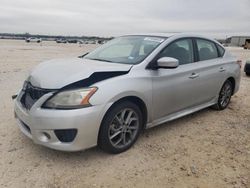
133 82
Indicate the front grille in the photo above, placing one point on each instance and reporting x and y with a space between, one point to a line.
32 94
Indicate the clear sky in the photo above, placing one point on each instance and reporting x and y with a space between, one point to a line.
116 17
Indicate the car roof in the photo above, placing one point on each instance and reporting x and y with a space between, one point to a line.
174 35
165 35
168 35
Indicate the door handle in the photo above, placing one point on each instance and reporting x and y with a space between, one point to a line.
194 75
222 69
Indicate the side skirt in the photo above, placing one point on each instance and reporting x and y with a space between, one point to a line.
179 114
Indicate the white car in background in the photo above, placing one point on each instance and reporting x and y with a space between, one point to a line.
33 39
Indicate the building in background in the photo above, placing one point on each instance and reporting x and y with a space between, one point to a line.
237 40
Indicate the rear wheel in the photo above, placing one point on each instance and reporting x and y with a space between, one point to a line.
248 73
120 127
224 96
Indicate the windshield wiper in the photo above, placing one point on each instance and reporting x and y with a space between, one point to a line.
82 56
101 60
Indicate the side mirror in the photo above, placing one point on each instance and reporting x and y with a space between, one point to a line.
167 63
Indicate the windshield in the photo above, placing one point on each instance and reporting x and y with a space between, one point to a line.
127 49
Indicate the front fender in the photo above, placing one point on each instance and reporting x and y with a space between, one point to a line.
112 90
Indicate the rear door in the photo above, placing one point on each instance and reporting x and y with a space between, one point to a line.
196 81
211 69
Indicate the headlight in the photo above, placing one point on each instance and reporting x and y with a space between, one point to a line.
71 99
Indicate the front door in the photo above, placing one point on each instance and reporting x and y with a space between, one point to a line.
175 89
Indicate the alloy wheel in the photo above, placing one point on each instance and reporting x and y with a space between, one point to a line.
225 94
124 128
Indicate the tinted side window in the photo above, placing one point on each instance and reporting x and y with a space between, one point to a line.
181 50
206 50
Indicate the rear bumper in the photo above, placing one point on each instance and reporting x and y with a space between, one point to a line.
40 124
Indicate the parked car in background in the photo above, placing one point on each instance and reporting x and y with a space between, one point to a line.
61 41
101 42
72 40
92 42
247 67
33 39
82 42
131 83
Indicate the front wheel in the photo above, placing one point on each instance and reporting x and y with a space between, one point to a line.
224 96
120 127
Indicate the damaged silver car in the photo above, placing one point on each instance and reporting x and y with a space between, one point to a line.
133 82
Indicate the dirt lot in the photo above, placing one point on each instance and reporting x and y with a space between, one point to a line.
206 149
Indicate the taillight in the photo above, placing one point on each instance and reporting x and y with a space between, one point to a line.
239 62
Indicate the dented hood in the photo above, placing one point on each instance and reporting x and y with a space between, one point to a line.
58 73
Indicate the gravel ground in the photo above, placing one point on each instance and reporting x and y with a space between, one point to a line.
205 149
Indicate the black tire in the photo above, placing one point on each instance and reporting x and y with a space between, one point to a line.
248 73
111 124
224 96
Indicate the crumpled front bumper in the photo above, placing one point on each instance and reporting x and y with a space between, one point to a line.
40 124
